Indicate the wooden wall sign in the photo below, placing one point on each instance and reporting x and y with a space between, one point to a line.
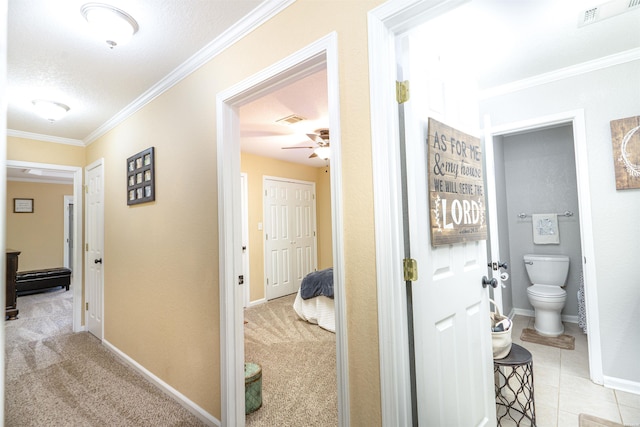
625 136
456 186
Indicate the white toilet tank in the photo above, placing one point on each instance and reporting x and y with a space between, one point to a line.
547 269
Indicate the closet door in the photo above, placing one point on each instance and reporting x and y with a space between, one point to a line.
290 237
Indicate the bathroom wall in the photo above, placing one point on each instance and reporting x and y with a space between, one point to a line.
540 177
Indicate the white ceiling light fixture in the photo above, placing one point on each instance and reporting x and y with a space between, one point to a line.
111 24
323 152
50 110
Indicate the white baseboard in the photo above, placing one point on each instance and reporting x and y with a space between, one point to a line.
531 313
188 404
622 385
257 302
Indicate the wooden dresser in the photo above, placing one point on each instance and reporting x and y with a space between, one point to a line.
11 311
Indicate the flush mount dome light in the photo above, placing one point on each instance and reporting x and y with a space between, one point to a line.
111 24
50 110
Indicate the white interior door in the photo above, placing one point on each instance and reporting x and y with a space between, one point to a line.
290 241
94 292
451 330
244 206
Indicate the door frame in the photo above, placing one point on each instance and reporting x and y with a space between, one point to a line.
385 23
576 119
68 200
76 276
97 163
266 258
320 54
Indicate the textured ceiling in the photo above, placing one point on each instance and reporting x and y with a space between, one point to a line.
51 54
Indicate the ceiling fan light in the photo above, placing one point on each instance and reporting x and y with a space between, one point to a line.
323 152
111 24
50 110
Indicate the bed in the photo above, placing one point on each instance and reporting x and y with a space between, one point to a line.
314 301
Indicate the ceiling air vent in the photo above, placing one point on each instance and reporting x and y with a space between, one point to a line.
289 120
606 10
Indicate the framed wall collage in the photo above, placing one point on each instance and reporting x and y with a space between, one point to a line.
141 177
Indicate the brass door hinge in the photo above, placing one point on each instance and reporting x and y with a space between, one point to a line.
86 306
410 267
402 91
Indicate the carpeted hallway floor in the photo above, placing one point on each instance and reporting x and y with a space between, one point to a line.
57 378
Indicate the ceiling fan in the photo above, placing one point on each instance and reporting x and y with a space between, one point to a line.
321 149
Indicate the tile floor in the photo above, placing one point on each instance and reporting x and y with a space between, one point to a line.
562 388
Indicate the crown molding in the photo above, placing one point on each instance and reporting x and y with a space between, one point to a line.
562 73
45 138
246 25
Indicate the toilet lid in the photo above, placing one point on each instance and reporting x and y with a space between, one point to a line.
546 291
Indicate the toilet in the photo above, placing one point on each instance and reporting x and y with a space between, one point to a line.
548 274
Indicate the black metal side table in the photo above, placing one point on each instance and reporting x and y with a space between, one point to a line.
514 387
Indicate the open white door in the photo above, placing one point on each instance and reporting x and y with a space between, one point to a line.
451 328
94 251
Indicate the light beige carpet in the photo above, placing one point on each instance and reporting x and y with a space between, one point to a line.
55 377
564 341
591 421
298 363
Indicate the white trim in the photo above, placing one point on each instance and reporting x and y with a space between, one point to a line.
576 118
45 138
323 51
257 302
385 23
568 318
622 385
183 400
265 11
563 73
76 276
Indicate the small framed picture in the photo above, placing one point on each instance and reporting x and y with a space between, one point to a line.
23 205
141 177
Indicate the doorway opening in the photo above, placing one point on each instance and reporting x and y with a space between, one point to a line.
322 53
73 175
581 251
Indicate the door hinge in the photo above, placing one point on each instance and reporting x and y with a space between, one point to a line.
86 306
86 189
402 91
410 267
241 280
86 247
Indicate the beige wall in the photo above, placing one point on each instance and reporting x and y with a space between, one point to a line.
38 235
161 258
28 150
256 167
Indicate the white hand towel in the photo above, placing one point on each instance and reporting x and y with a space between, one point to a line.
545 229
